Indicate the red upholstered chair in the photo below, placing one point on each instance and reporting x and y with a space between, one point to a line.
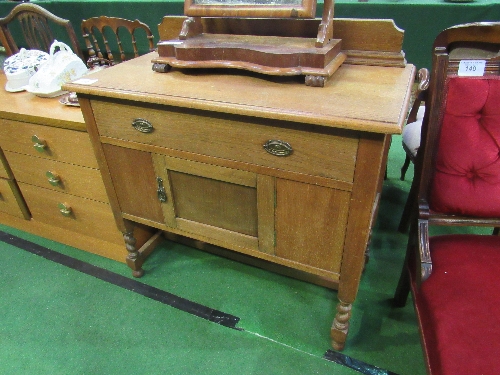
454 275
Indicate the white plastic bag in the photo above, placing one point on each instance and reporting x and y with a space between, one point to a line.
62 66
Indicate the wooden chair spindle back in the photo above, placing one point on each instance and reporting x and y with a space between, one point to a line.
39 28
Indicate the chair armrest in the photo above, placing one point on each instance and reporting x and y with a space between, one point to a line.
420 94
424 265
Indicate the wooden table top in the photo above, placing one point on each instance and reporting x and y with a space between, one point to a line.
24 106
365 98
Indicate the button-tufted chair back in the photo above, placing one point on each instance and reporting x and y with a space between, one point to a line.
466 176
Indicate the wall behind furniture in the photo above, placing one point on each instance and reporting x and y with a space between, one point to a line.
422 20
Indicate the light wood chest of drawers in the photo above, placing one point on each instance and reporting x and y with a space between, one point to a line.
50 183
11 201
268 168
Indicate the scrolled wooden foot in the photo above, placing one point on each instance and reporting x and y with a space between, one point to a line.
340 326
161 68
315 81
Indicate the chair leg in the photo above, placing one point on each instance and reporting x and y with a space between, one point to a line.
404 168
404 223
403 288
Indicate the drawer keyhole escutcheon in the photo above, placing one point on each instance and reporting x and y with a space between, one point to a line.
38 143
53 178
65 209
278 148
162 195
144 126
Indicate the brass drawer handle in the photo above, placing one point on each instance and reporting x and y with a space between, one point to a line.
53 178
38 143
278 148
144 126
65 209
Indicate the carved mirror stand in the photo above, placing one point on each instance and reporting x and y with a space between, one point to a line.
274 37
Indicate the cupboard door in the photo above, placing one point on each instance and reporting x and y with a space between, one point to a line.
216 202
133 178
310 224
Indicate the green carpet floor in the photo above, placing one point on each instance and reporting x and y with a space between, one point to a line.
58 320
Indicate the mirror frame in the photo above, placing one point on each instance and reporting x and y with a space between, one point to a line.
304 9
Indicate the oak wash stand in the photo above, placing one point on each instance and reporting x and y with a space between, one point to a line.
265 167
269 37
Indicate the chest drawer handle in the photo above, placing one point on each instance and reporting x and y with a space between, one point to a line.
53 178
65 209
38 143
144 126
278 148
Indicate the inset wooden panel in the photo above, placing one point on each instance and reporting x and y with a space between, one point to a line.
216 203
310 224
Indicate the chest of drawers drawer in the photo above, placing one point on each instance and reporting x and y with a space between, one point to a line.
11 201
47 142
55 175
323 152
4 167
76 214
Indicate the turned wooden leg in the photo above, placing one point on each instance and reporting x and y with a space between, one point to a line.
134 258
340 326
